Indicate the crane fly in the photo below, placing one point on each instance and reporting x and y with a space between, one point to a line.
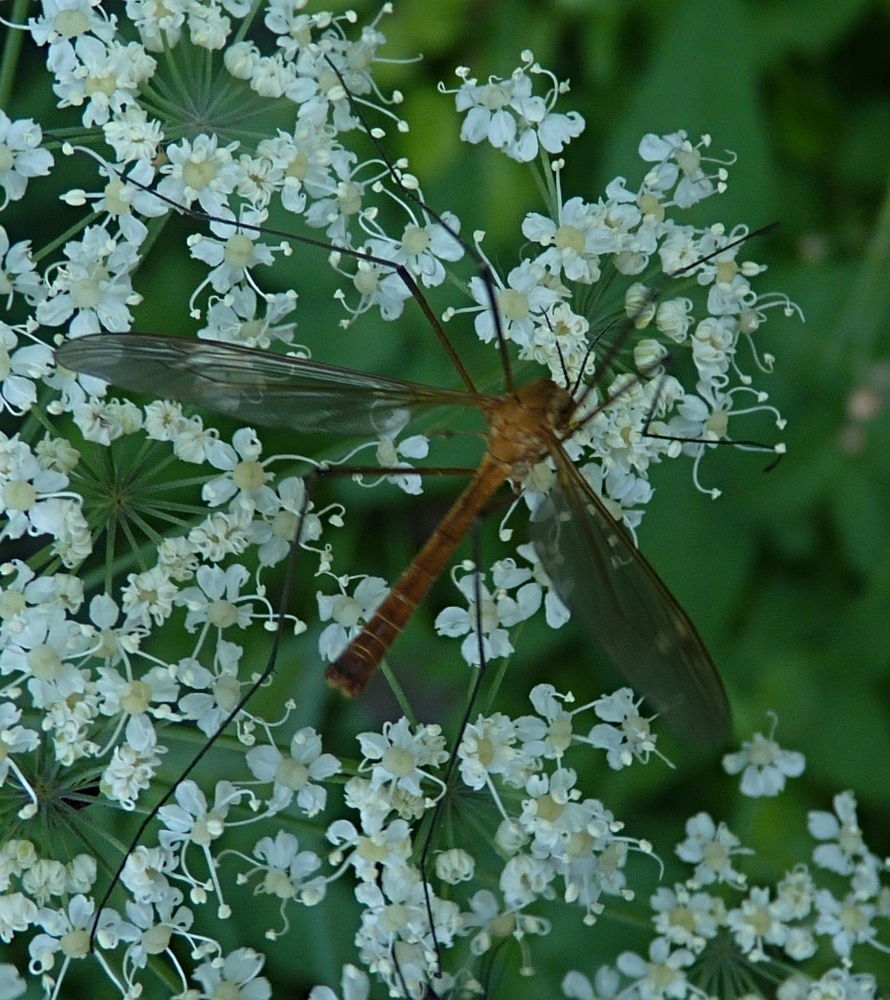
592 563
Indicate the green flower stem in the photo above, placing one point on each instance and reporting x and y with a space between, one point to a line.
248 21
12 47
399 693
69 234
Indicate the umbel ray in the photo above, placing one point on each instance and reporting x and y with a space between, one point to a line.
594 566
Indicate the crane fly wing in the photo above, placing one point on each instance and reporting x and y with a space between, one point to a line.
255 386
609 586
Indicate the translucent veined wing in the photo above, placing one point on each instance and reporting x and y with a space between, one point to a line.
619 598
255 386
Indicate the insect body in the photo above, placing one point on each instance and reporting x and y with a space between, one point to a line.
593 565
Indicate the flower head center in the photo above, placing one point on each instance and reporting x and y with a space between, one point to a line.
714 855
292 774
278 884
75 944
115 204
762 752
7 160
660 976
250 330
226 991
494 97
156 939
503 925
87 293
70 23
851 918
298 168
569 238
226 692
485 751
19 495
369 851
239 250
249 475
636 728
394 917
560 733
206 830
198 174
717 424
415 241
12 603
760 921
349 198
549 809
137 698
105 84
365 281
688 160
328 81
726 271
681 916
284 525
348 612
650 205
222 614
44 662
514 305
398 761
580 844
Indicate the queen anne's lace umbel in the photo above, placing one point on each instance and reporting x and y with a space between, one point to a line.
89 705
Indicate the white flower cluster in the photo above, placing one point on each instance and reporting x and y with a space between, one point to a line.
138 549
764 925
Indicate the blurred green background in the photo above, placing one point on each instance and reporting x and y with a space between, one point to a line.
788 574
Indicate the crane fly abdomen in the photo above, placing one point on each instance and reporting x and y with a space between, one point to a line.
520 431
352 670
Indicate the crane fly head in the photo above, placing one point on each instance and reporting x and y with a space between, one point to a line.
549 403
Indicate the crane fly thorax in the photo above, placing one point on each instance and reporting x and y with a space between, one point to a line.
522 426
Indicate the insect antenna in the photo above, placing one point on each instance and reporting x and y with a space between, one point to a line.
361 255
481 264
618 343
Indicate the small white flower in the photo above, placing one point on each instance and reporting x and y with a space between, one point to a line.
846 921
297 774
288 870
348 614
687 919
237 975
759 922
662 975
765 763
841 830
200 170
627 735
398 757
711 848
21 157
